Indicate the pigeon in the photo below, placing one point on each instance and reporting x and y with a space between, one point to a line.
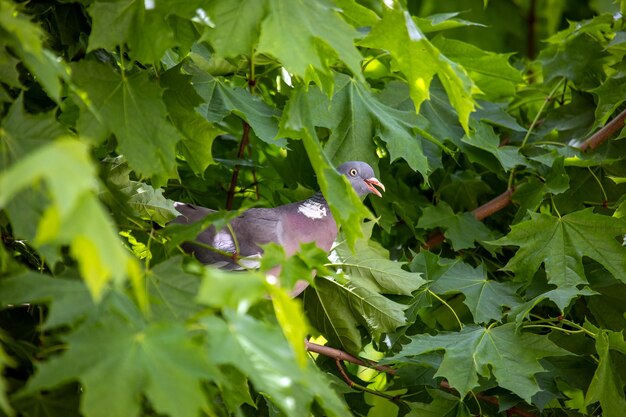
288 225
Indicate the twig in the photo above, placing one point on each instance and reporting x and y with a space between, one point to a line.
344 356
354 385
605 133
245 138
480 213
504 199
494 205
340 355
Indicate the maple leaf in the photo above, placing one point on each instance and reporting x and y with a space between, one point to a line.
314 27
158 360
511 357
483 297
131 107
560 244
462 229
419 60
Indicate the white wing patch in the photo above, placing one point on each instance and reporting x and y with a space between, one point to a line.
312 210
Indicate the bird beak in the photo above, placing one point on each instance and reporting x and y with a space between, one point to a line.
371 182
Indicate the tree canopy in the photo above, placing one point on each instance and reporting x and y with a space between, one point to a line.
489 280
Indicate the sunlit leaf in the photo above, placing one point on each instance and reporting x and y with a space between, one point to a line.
419 60
261 351
158 360
313 27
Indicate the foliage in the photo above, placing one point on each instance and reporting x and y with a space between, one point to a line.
112 110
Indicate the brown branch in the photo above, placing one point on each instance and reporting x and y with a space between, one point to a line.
359 387
245 138
340 355
480 213
605 133
494 205
344 356
504 199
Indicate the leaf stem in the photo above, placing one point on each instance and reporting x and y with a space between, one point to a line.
450 307
593 174
360 387
540 112
546 326
554 206
534 123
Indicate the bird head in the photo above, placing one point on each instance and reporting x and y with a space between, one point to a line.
362 178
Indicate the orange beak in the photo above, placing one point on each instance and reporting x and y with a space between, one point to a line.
371 182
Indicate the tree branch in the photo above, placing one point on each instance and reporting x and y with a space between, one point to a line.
605 133
480 213
504 199
245 138
340 355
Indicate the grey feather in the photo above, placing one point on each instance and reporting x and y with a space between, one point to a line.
289 225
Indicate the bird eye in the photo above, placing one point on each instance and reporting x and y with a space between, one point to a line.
353 172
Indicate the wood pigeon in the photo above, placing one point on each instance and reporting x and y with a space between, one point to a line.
289 225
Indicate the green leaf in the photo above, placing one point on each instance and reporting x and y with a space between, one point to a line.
260 351
484 297
5 361
463 189
183 103
357 14
338 309
576 55
61 402
129 106
65 161
492 73
511 357
24 132
293 322
419 60
223 99
483 137
372 268
610 95
172 290
315 29
442 405
75 218
562 297
607 386
221 289
462 229
26 40
357 117
148 29
561 242
69 299
442 21
159 361
150 204
8 72
301 266
236 26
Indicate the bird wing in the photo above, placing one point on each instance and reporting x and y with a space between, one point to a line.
252 228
